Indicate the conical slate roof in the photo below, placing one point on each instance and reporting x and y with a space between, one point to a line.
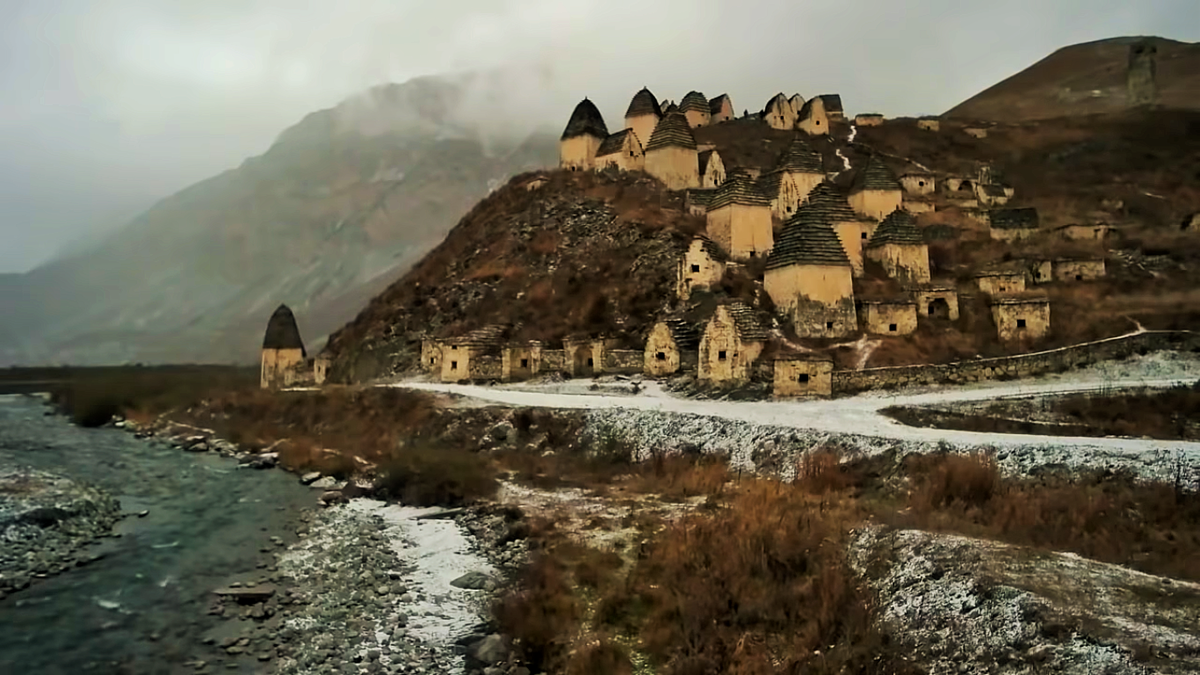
829 202
875 176
714 105
694 101
738 188
800 157
671 107
807 240
672 130
777 98
586 120
897 228
282 332
643 103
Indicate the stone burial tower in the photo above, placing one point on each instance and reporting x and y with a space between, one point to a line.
1142 75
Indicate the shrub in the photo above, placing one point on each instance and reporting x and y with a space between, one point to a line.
601 657
428 476
541 615
964 480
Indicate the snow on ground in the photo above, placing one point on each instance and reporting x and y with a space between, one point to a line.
653 419
439 552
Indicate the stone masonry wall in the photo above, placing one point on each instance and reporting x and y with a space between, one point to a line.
1011 367
624 361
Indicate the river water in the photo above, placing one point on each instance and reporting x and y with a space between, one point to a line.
142 607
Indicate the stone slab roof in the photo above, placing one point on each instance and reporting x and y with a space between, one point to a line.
827 200
875 176
800 157
710 247
613 144
282 332
492 335
768 183
643 103
1025 218
694 100
897 228
780 98
833 102
685 334
738 188
586 120
672 131
1026 298
714 105
699 196
807 239
748 326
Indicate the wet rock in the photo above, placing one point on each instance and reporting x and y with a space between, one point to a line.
327 483
474 581
489 651
310 477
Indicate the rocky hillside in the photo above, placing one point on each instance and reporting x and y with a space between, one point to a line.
338 206
581 253
1086 79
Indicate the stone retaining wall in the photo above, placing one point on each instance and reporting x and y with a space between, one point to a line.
624 361
1013 367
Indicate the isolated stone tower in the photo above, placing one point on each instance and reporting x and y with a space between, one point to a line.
1142 75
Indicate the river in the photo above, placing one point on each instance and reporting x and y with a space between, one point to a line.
142 607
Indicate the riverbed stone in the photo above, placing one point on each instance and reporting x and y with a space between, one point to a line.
471 581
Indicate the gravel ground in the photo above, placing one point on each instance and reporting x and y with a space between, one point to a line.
46 522
963 605
769 436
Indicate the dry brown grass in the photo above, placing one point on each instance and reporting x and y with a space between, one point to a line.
1152 527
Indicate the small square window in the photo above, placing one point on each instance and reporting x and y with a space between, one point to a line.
431 360
591 362
864 235
1020 323
454 347
695 268
524 363
891 328
721 355
1078 277
660 356
802 378
454 365
828 325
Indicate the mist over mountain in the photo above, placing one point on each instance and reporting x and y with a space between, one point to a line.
341 203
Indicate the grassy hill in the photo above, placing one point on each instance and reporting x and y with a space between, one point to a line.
1085 79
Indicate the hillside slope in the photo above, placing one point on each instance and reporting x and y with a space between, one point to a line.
1086 79
583 253
338 206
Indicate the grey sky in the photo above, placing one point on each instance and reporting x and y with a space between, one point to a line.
110 104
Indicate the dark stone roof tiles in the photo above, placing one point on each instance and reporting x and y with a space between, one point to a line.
710 247
1015 219
875 176
614 144
586 120
672 130
748 325
807 240
897 228
800 157
686 335
714 105
282 332
643 103
828 201
833 102
694 100
738 188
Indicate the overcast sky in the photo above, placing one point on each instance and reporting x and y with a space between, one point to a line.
108 105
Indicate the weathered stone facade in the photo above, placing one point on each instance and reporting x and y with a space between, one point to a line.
937 301
621 150
670 347
898 247
1081 232
1000 282
779 114
712 170
889 317
581 138
321 369
868 120
813 118
1080 269
975 132
1013 224
875 192
739 218
283 362
702 266
671 155
732 341
803 376
720 109
1021 319
919 183
929 125
520 361
643 115
431 356
809 277
694 107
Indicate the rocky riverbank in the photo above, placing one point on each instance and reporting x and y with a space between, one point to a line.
46 525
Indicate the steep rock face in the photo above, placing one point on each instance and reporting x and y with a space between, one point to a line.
337 207
580 253
1086 79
